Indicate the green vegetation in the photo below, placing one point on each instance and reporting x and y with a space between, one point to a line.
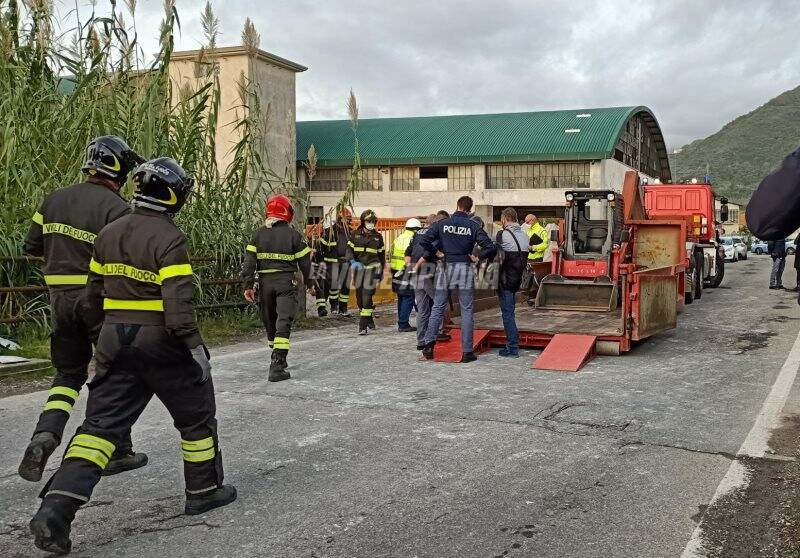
745 150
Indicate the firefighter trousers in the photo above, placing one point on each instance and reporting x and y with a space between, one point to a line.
366 283
278 304
71 351
337 277
133 364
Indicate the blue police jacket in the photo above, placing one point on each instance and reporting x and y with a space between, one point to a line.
456 238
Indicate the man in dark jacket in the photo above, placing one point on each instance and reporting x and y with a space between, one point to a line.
777 249
512 245
63 230
455 237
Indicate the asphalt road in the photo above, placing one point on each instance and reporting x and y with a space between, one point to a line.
368 452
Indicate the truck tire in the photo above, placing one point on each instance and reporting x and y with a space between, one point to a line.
699 273
689 279
716 281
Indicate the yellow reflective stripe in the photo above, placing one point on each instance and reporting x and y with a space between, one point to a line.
350 244
123 270
95 456
198 456
373 265
273 270
344 298
367 312
327 243
60 390
331 260
66 279
95 442
275 256
145 305
197 445
372 250
281 343
95 267
58 405
251 248
67 230
37 218
302 253
177 270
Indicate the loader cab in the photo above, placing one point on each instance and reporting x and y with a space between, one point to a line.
593 222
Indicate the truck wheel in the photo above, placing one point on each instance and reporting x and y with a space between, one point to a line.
698 275
717 280
689 279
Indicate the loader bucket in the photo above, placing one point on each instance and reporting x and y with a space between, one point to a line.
587 295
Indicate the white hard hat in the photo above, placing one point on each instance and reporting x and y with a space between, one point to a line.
413 223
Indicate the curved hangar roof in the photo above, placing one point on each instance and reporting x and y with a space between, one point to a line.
559 135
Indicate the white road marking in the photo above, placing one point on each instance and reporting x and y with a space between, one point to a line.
756 443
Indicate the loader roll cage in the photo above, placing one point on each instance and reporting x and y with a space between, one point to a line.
587 238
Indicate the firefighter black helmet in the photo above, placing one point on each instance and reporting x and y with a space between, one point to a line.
110 157
368 215
161 185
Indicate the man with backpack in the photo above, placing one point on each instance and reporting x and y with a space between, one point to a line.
512 246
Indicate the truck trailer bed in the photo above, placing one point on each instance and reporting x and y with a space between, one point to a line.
551 322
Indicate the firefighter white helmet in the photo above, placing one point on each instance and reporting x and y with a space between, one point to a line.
413 224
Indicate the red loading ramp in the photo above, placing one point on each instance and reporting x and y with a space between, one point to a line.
450 351
566 352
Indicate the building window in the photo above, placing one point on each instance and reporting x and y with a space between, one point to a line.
337 180
405 179
460 177
637 147
537 175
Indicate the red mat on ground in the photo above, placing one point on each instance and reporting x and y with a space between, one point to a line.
450 351
566 352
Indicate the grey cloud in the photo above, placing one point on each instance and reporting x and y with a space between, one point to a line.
697 64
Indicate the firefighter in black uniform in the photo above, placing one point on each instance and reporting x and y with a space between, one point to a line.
275 252
333 244
141 279
63 231
368 257
320 275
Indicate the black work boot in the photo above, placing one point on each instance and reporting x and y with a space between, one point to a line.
468 357
322 311
39 450
443 337
371 322
277 369
51 524
343 311
363 324
201 503
124 462
427 351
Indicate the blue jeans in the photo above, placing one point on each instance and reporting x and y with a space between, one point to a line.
508 304
459 276
405 304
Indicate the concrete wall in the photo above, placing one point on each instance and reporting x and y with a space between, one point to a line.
608 173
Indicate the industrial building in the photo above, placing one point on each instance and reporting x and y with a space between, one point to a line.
415 166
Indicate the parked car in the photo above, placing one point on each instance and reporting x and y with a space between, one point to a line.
741 247
759 247
730 249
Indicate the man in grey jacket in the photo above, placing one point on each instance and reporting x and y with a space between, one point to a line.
512 244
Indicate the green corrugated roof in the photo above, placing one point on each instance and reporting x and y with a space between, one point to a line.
477 138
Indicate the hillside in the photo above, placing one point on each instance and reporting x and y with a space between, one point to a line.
743 151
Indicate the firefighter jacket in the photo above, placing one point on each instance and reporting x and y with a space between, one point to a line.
65 227
456 237
140 273
774 209
276 249
399 247
366 247
538 242
333 243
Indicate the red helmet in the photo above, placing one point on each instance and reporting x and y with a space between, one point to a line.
280 207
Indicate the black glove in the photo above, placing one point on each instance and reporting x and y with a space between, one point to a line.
201 356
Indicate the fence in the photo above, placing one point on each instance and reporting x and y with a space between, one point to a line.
29 303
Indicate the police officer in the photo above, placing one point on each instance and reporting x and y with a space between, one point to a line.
64 231
275 252
149 344
457 237
367 253
400 284
538 240
333 245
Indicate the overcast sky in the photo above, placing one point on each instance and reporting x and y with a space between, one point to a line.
696 63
